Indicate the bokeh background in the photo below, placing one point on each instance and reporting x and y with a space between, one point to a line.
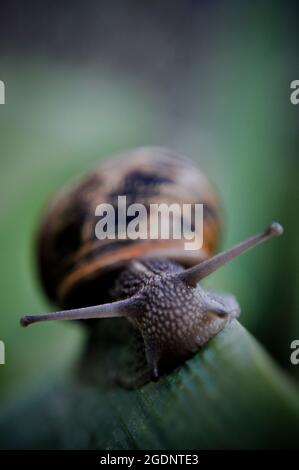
208 79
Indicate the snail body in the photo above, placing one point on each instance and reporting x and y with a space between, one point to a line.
153 283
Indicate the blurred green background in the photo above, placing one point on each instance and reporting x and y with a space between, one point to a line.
208 79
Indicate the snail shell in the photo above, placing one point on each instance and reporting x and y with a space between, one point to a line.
76 268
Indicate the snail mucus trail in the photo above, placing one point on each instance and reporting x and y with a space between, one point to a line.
174 314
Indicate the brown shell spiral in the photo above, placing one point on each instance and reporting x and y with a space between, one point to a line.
76 268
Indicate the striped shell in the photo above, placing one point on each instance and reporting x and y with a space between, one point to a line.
76 268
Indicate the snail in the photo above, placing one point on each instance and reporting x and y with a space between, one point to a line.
152 283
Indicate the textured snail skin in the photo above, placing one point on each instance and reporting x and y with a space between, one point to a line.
175 319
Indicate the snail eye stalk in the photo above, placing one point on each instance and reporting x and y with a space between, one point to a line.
193 275
122 308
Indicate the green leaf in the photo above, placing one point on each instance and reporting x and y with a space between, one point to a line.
229 395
